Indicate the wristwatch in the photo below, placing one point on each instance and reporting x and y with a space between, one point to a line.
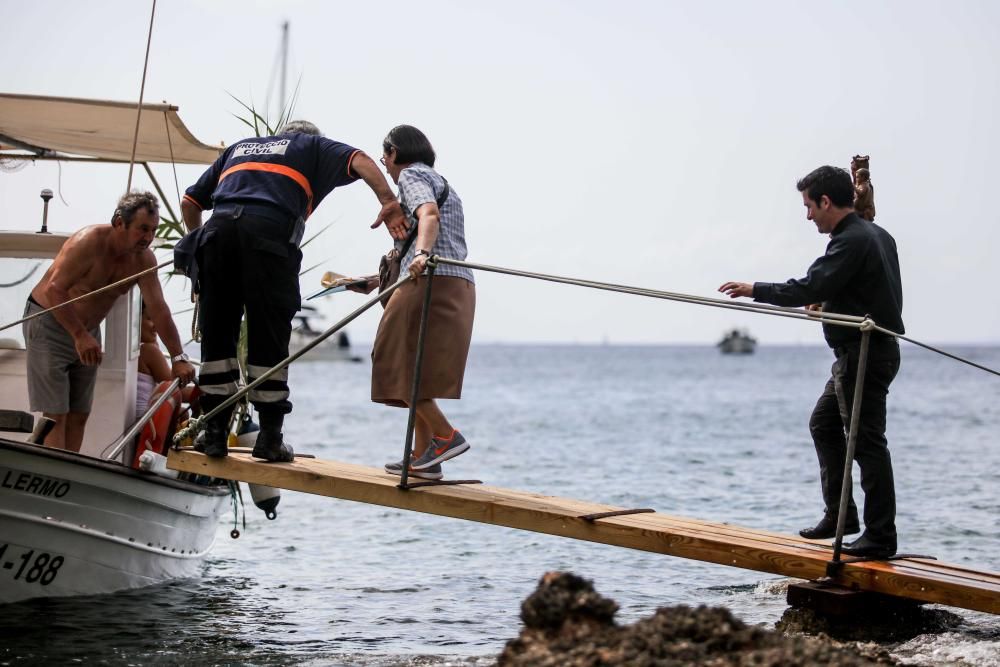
180 357
422 252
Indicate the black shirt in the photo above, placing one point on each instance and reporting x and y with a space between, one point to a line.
858 275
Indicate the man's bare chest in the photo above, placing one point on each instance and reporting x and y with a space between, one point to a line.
105 272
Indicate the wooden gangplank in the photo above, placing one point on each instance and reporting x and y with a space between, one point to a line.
913 578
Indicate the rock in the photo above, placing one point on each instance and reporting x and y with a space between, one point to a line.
568 624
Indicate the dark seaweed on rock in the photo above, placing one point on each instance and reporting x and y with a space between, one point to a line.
568 624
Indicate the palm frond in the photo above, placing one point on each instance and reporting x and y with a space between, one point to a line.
312 268
313 237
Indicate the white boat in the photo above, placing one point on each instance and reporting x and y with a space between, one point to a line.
334 348
72 524
737 341
84 524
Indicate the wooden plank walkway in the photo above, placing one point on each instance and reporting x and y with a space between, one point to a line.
791 556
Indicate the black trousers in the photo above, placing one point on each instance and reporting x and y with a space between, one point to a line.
247 263
830 423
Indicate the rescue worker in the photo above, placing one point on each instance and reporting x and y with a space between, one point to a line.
261 190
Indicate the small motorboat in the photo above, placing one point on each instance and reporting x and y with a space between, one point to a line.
737 341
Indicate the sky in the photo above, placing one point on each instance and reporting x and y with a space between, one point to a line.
654 144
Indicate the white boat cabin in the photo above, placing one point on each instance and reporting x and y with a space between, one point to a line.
24 258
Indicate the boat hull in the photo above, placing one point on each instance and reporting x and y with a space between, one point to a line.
74 525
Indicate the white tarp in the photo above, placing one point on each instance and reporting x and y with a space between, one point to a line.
99 128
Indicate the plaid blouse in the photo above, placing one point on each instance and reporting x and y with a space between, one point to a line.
420 184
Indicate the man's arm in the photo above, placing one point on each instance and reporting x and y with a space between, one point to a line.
191 214
391 213
71 265
158 311
198 197
824 280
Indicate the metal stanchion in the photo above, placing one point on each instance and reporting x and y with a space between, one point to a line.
852 440
417 366
46 196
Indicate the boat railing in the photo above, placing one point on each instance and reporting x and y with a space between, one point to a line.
122 442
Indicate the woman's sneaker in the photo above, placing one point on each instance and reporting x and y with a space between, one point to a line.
434 472
441 450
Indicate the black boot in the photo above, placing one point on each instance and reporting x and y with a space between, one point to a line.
270 447
827 528
216 442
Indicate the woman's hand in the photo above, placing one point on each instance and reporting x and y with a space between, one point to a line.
418 265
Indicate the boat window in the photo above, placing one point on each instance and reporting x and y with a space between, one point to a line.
17 278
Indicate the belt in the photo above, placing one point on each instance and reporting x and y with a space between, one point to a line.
880 344
235 211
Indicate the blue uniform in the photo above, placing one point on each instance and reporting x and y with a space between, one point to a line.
261 191
290 174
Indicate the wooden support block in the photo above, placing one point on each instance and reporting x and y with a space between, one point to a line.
832 600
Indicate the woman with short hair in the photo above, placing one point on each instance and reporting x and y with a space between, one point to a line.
433 206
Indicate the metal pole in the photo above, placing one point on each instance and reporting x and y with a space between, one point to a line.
417 367
46 195
284 71
129 434
852 441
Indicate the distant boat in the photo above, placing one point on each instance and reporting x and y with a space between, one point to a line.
335 348
737 341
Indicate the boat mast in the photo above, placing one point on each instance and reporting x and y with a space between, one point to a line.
284 64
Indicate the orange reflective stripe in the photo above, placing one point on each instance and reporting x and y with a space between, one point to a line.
296 176
350 160
194 201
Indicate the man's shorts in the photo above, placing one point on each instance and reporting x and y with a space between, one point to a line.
58 382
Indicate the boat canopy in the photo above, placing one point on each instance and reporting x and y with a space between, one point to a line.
51 126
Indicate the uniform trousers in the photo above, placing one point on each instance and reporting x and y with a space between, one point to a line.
248 263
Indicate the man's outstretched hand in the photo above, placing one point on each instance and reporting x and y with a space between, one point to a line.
392 215
735 290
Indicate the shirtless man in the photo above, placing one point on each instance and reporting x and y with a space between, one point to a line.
64 346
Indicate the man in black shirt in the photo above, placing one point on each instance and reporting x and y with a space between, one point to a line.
858 275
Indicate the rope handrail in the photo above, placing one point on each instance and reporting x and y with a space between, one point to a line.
196 423
938 350
838 319
95 292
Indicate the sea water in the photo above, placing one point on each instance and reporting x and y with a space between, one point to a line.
684 430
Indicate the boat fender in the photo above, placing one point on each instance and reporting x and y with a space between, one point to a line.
246 434
159 430
266 498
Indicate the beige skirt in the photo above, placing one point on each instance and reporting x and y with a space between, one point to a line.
446 342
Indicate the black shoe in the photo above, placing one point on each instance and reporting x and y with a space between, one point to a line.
270 447
827 528
869 548
216 443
